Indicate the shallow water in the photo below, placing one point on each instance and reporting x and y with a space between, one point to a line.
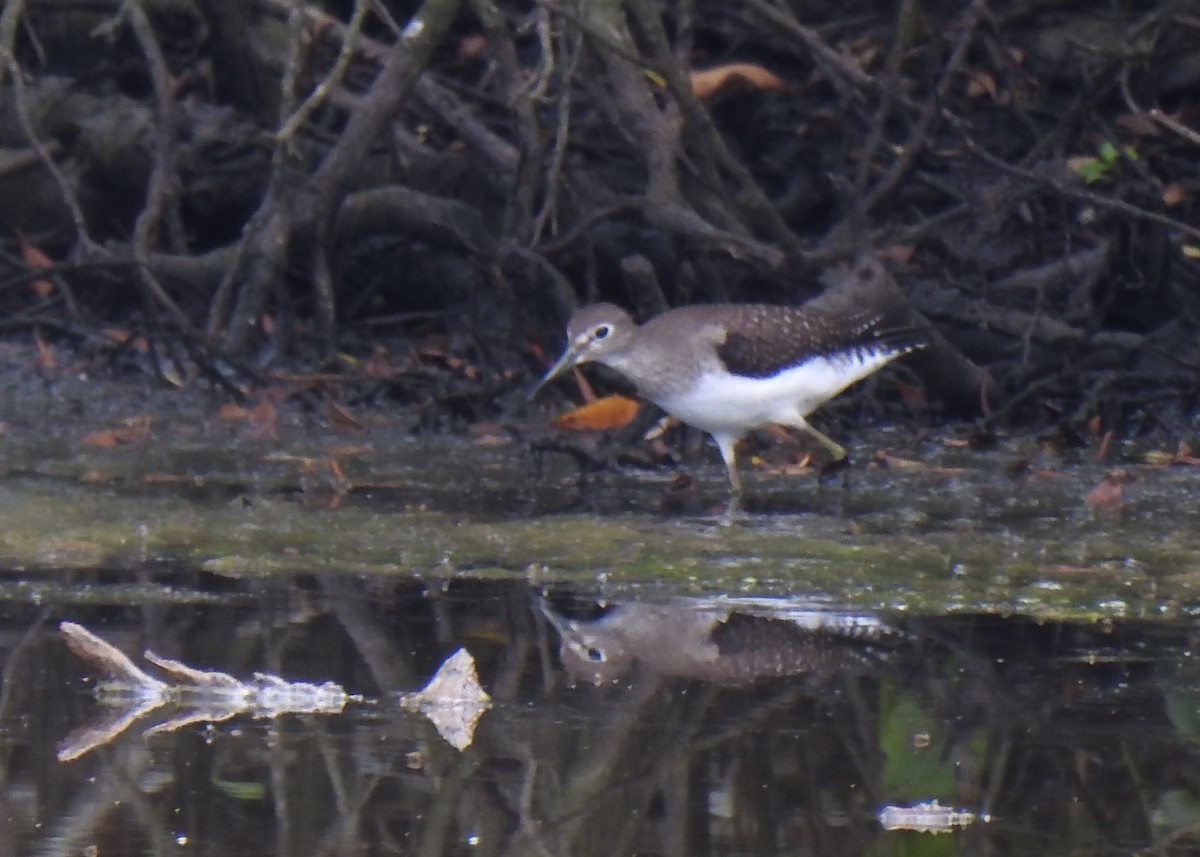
659 683
719 725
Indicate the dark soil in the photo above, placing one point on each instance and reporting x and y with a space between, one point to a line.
199 200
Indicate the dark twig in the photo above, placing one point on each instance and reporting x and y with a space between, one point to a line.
1062 187
84 245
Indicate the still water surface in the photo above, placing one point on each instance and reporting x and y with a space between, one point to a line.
967 632
667 725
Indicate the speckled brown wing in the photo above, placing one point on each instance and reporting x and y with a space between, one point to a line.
761 340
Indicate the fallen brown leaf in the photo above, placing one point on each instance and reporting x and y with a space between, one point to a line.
708 82
349 450
981 83
608 413
379 364
117 335
264 421
32 256
1109 495
901 254
45 354
134 431
883 458
167 479
341 419
473 46
1140 123
1183 455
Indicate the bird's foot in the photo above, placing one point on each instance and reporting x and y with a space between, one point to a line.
832 469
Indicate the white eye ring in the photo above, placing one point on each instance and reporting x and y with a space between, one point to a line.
602 331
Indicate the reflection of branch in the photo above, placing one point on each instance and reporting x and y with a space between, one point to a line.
104 729
98 653
197 696
453 699
14 660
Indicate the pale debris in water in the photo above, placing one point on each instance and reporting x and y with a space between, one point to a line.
123 674
927 817
195 696
453 700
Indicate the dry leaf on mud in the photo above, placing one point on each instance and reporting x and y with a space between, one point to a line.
1109 495
611 412
135 430
709 81
32 256
341 419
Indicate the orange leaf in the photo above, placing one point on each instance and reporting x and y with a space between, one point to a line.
45 358
708 82
981 83
379 364
231 412
471 47
341 419
105 439
1109 495
264 421
167 479
607 413
1173 195
108 438
116 334
900 253
32 256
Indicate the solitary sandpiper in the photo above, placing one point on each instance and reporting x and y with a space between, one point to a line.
731 368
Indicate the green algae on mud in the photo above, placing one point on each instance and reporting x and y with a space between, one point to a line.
1046 565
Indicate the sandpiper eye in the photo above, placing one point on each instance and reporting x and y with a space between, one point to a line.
602 331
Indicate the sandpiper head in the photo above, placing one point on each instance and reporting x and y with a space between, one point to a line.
592 332
588 653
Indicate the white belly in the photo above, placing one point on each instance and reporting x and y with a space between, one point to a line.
733 404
